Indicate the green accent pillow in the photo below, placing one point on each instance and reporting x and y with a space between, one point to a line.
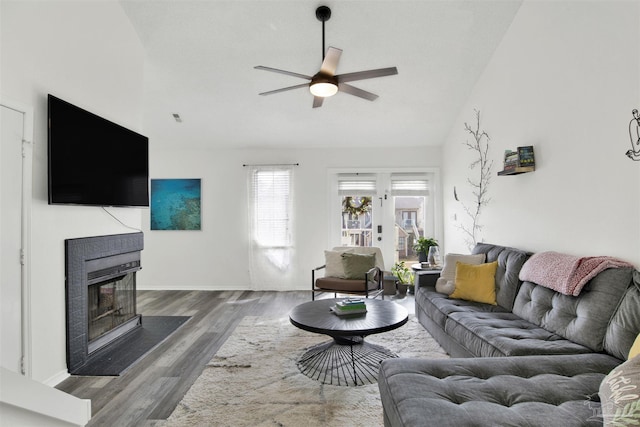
620 395
333 263
357 265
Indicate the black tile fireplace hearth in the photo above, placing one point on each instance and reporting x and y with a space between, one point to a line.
100 293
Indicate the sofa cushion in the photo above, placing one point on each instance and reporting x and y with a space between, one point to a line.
625 324
583 319
439 306
505 334
510 261
515 391
445 283
620 395
476 282
489 330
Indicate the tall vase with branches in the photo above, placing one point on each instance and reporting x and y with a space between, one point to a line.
479 185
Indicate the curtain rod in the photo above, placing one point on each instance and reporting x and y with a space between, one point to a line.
278 164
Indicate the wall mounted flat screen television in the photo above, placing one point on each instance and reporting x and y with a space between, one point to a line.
93 161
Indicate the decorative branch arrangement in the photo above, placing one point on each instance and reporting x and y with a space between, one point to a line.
634 134
480 145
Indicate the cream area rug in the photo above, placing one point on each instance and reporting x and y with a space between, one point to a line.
253 380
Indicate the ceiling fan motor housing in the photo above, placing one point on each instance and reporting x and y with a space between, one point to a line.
324 78
323 13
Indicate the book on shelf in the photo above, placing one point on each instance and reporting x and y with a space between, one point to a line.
510 156
521 160
526 156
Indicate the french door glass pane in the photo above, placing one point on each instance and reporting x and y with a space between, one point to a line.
409 225
357 221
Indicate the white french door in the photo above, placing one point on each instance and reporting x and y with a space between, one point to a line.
389 209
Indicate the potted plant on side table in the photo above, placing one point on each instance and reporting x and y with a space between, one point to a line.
404 277
422 245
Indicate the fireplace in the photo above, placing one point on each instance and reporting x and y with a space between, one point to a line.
100 293
110 304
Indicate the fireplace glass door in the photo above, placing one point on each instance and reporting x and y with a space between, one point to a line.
111 304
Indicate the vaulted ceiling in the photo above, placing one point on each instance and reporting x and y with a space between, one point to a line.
200 58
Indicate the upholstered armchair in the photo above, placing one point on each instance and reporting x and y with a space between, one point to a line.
353 270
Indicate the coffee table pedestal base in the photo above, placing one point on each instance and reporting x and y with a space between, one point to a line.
344 361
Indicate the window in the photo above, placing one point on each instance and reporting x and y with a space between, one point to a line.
271 191
270 225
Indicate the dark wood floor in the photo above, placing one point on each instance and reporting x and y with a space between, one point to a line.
149 391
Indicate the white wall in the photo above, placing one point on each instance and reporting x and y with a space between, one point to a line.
86 53
217 256
564 79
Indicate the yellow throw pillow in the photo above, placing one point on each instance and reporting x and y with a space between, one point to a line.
635 348
476 282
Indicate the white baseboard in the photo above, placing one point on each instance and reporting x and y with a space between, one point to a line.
57 378
211 288
190 288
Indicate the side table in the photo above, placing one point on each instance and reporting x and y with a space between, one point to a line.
426 277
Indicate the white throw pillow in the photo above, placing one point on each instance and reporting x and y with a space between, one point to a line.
333 263
446 282
445 286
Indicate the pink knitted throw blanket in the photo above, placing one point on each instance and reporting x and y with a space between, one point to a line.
566 274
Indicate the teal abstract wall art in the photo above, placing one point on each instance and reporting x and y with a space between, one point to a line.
175 204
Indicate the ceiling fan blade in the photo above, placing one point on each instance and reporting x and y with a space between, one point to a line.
317 101
369 74
288 73
284 89
351 90
330 62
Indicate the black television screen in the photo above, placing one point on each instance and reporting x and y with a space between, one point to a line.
93 161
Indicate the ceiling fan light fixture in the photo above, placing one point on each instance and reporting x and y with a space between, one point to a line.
323 89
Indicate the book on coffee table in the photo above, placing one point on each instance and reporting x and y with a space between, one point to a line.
342 312
349 306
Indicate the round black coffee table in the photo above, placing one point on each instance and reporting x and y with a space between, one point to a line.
347 359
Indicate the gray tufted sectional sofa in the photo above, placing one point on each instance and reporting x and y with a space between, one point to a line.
535 359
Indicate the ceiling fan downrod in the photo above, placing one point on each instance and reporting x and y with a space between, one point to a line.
323 13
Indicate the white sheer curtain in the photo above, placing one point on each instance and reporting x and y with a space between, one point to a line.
270 216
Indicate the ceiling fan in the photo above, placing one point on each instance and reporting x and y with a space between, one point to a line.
325 82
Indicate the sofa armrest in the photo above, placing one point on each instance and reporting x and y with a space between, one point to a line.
426 278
